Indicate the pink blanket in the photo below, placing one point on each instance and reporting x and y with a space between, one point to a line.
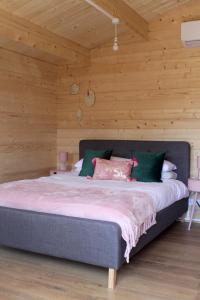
132 211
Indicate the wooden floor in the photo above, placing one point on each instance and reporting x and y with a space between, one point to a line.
169 268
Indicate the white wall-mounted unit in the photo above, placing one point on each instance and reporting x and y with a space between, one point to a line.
190 34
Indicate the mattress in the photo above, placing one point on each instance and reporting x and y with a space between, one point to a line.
163 193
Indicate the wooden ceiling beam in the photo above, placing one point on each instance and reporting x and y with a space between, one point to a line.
119 9
30 35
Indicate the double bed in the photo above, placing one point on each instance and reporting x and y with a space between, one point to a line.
95 241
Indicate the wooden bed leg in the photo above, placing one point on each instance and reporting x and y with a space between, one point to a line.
112 275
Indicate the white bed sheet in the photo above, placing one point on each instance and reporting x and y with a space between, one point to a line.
163 193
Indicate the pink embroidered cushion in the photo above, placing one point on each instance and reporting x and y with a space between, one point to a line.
112 169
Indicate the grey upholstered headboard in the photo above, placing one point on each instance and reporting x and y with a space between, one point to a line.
176 152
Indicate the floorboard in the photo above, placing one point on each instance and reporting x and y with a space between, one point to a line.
168 269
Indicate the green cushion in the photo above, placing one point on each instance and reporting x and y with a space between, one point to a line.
149 166
87 167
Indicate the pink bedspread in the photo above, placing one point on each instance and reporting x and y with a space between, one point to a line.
133 211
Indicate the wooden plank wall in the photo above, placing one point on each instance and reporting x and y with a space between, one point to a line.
27 116
148 90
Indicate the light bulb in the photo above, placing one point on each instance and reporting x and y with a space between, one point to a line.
115 45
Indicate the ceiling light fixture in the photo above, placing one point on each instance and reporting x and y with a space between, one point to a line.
115 22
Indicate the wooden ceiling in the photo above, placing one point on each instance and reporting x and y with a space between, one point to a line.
150 9
79 22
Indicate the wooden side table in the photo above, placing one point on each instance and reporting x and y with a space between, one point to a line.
193 186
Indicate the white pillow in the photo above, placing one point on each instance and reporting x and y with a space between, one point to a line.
78 165
168 166
119 158
168 175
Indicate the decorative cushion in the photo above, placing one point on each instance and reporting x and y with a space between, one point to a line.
168 166
149 166
87 166
112 169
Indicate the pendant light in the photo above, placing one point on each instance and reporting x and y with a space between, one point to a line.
115 22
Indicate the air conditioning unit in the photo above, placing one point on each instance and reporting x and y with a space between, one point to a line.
190 34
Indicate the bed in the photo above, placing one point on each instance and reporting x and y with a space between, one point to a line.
73 238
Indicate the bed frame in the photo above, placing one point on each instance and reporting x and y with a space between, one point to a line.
73 238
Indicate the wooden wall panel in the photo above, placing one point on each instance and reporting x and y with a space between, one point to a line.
27 116
148 90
